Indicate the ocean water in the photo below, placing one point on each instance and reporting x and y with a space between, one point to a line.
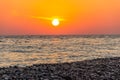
28 50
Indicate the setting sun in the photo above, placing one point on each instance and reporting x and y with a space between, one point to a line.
55 22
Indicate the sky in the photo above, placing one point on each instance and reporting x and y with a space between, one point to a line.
28 17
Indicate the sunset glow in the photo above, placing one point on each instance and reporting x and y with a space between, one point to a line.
55 22
37 17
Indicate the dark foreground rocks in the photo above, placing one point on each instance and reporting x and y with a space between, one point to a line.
97 69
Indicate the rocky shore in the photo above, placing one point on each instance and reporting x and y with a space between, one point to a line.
97 69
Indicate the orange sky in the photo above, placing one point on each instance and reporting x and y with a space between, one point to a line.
81 17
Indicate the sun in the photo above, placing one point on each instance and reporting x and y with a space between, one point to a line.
55 22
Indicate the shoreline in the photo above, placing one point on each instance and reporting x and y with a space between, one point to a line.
96 69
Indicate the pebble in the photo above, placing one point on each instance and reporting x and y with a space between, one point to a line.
97 69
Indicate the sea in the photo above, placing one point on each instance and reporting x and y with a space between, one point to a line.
26 50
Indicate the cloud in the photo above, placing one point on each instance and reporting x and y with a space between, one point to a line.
48 18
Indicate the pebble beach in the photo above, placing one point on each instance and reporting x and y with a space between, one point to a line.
96 69
90 57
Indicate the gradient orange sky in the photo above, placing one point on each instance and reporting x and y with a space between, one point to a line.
81 17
